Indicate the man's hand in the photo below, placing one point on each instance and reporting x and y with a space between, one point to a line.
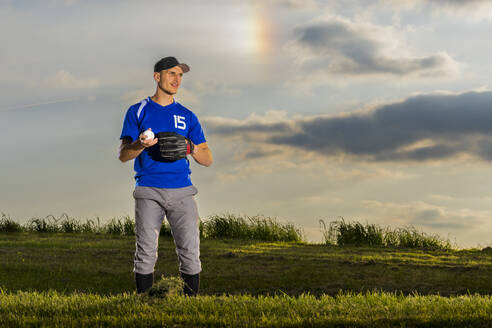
146 142
202 154
130 150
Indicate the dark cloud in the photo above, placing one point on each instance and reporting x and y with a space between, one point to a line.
342 47
437 218
420 128
255 153
228 127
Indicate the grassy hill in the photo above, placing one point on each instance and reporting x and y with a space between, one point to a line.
103 264
86 279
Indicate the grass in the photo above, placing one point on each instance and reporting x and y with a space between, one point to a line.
343 233
86 280
214 227
374 309
9 225
231 226
166 287
253 228
103 263
116 226
125 226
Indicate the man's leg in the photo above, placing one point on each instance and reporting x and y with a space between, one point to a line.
182 214
148 220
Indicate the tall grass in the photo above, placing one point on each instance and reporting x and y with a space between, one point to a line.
9 225
121 226
343 233
215 227
116 226
67 224
232 226
252 228
47 224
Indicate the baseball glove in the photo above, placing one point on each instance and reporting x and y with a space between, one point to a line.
173 146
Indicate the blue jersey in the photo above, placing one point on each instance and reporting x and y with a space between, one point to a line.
150 172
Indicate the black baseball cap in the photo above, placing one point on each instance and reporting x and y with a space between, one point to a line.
170 62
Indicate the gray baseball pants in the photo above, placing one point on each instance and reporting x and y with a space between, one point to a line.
180 209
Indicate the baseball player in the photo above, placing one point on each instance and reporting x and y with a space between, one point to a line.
159 133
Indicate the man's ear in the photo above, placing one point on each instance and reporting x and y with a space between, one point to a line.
157 76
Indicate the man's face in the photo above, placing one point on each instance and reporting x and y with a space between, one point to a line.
169 80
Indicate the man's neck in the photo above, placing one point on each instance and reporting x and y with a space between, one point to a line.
162 98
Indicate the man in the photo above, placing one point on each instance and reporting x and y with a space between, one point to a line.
164 188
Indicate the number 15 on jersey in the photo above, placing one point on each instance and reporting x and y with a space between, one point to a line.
179 122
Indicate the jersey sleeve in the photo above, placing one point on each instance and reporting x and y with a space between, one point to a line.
196 132
130 125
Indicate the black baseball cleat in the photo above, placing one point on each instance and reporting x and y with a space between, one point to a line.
191 283
143 282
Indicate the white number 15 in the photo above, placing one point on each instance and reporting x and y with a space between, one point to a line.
179 122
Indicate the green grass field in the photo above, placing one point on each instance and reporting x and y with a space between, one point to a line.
345 310
68 279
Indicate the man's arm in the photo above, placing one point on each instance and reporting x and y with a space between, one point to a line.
202 154
129 150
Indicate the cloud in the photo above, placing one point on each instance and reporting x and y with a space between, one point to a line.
196 91
184 96
428 215
66 80
431 127
451 3
192 94
64 2
26 106
460 3
467 10
134 96
295 4
339 46
211 87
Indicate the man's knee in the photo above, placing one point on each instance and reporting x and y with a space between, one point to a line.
144 261
189 259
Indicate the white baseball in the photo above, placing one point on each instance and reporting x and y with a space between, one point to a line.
149 134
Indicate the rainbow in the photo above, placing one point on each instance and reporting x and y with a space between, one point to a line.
260 32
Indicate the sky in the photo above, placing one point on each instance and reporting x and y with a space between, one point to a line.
372 111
